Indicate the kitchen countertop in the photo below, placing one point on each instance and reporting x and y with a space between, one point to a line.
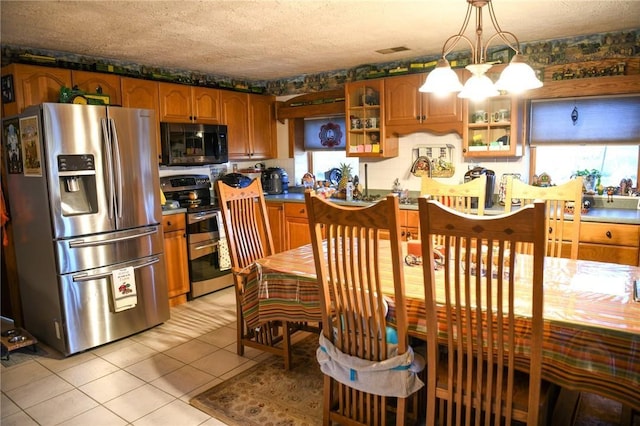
173 211
595 214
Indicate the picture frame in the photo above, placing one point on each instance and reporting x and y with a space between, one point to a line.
12 145
503 55
6 86
30 140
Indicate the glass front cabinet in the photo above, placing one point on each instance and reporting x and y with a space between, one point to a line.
494 127
366 136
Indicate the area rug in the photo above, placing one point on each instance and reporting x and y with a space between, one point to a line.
267 394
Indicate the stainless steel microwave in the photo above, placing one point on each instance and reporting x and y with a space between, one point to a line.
193 144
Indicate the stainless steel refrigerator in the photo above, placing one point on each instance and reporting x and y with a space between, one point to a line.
83 191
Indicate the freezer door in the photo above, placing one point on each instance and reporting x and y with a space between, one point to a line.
89 315
93 251
78 197
135 167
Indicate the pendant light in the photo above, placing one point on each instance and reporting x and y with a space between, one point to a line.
517 77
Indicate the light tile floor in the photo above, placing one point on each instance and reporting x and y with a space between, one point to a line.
146 379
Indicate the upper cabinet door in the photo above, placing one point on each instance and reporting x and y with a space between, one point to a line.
442 109
142 94
402 100
206 105
186 104
262 125
34 85
138 93
95 82
407 110
235 114
175 103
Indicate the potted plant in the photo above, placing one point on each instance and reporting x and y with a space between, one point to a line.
590 179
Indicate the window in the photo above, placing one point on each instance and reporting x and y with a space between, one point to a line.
615 162
601 133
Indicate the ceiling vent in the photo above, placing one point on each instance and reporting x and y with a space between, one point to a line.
392 50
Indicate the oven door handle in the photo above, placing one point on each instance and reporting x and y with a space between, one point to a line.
197 217
204 246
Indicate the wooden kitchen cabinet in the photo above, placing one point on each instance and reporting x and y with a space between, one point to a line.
188 104
176 257
250 121
296 225
409 225
138 93
94 82
407 110
275 212
494 128
610 242
262 127
33 85
366 135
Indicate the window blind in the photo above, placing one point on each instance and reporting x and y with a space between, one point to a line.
602 120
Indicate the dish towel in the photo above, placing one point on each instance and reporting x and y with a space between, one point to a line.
123 286
396 376
223 246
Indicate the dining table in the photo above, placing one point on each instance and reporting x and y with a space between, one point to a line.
591 332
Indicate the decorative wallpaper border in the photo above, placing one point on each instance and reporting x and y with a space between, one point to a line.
540 55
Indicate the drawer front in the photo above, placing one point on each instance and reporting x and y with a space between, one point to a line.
174 222
610 234
295 210
605 253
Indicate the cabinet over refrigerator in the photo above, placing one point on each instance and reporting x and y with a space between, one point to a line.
84 205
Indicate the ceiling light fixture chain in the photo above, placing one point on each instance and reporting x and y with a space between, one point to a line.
516 77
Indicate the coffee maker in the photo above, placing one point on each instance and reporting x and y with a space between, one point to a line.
475 173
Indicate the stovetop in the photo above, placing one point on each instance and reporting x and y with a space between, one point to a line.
191 191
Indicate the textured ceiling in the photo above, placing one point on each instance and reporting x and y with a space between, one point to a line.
268 40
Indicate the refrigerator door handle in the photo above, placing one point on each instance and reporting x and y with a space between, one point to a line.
83 277
109 162
82 243
118 166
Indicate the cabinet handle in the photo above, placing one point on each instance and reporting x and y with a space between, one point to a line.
424 117
168 223
608 234
302 211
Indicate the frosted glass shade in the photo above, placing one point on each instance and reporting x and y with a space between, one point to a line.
479 86
518 77
442 80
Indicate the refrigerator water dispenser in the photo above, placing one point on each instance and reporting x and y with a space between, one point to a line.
77 184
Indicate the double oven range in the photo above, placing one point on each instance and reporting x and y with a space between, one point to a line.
209 268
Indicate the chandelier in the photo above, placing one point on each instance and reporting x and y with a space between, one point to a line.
517 77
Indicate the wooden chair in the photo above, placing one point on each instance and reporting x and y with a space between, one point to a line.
471 354
249 238
353 306
559 200
458 197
